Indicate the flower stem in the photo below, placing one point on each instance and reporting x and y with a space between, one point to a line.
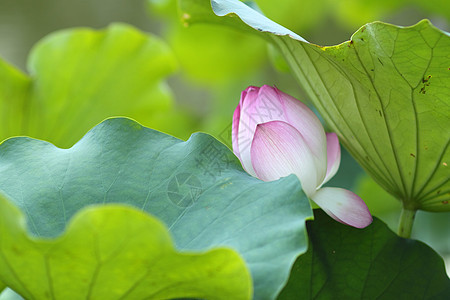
406 222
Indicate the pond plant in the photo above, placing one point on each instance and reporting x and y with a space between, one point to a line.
95 204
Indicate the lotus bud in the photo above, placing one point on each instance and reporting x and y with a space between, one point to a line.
275 135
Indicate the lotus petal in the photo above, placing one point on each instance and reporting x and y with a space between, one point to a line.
344 206
278 149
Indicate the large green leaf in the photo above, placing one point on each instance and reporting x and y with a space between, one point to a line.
113 252
385 93
197 188
346 263
79 77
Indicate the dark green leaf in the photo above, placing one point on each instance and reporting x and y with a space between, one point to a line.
372 263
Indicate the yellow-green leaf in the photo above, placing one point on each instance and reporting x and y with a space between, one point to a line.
113 252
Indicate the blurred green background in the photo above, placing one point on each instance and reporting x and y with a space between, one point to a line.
216 63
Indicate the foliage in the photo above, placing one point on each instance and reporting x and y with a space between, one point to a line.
209 55
131 212
79 77
373 263
120 161
303 15
111 252
197 188
386 103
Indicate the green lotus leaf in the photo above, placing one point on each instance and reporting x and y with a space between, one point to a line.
373 263
197 188
111 252
79 77
385 93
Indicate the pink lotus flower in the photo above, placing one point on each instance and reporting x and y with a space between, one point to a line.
275 135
